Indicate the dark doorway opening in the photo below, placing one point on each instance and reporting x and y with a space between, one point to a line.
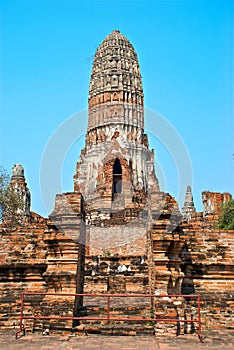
117 179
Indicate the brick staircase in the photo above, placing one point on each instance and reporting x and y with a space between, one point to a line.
114 275
123 307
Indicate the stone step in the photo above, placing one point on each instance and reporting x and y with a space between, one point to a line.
124 329
113 328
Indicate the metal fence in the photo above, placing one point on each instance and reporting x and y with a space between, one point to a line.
110 299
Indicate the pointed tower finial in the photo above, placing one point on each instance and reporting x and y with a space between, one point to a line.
188 208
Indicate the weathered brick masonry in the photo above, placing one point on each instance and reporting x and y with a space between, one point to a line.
117 232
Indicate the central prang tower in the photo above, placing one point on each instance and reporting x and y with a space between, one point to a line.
116 168
117 213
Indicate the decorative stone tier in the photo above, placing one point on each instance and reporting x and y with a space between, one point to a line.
116 94
116 67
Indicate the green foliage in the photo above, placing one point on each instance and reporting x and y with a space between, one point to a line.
226 220
106 253
10 202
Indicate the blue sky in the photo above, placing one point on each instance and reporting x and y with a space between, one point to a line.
185 51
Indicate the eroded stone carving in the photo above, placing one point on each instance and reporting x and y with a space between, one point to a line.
17 170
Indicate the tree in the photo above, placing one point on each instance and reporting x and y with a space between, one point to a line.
226 220
11 205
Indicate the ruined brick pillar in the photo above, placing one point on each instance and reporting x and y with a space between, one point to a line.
18 183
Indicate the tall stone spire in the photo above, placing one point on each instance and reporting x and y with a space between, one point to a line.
188 208
116 158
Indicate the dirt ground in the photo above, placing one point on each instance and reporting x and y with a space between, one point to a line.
31 341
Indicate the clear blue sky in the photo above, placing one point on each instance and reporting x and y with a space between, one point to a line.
185 50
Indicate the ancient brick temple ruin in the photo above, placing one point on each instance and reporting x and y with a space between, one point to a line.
117 232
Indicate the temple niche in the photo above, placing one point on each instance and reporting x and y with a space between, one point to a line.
117 232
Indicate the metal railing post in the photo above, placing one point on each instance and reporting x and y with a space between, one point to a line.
199 317
21 317
108 307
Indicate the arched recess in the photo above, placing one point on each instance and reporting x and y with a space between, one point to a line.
117 178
